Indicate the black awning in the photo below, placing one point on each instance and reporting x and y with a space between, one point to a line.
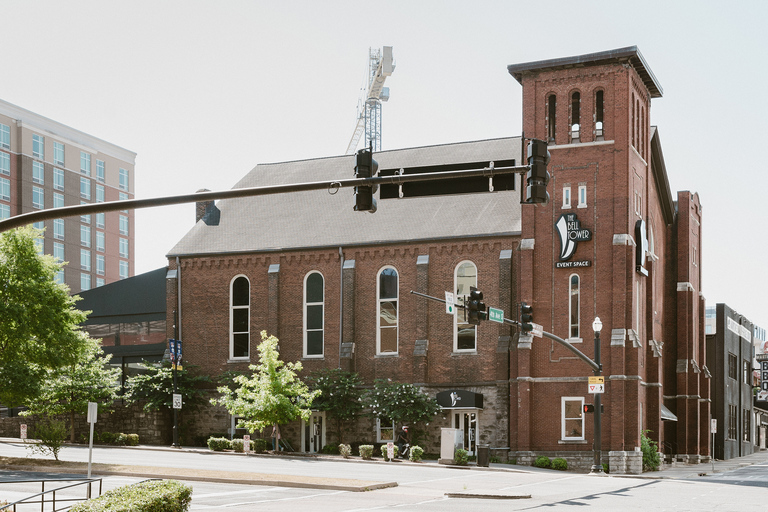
460 399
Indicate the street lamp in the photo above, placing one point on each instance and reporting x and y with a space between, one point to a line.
597 466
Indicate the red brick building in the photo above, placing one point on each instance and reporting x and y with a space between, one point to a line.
333 284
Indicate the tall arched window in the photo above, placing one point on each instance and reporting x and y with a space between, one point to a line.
599 109
314 314
551 117
239 318
465 334
575 116
574 298
386 320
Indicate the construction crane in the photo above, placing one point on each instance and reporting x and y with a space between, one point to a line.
380 66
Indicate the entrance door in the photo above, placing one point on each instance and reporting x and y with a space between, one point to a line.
466 421
313 433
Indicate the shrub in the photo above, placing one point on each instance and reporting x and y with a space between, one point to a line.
51 434
605 468
132 440
366 451
345 450
651 457
384 451
122 439
460 457
416 453
494 459
148 496
330 449
219 444
542 462
559 464
259 445
107 437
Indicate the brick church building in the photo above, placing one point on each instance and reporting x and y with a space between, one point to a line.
334 284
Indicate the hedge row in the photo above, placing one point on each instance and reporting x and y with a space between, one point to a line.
148 496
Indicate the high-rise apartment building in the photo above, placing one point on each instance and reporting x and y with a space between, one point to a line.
46 164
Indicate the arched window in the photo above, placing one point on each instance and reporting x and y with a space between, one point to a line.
574 297
465 334
314 314
599 109
239 318
551 117
575 116
386 321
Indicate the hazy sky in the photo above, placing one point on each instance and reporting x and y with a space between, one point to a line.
204 91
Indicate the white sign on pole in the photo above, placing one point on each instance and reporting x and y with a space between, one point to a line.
597 388
538 330
450 305
713 428
177 401
23 431
93 409
391 450
246 443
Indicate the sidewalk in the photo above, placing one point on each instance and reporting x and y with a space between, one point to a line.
693 471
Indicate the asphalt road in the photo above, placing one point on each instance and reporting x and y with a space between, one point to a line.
422 487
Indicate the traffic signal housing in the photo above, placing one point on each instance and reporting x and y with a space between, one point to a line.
590 408
476 307
526 318
365 167
538 176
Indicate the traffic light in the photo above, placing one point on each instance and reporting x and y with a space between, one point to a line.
365 167
538 176
476 306
526 317
590 408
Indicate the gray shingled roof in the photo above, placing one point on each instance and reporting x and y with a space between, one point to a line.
319 219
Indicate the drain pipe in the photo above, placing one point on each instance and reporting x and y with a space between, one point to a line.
341 301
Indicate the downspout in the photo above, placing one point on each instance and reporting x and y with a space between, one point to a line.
178 298
341 301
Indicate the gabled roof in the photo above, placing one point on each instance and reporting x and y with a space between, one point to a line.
629 54
320 219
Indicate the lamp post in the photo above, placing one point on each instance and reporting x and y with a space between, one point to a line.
597 466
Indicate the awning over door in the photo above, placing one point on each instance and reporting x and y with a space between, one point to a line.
667 415
460 399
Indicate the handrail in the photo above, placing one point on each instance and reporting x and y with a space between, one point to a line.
52 492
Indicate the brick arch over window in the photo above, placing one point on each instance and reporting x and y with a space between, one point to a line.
575 121
599 114
239 318
387 293
314 314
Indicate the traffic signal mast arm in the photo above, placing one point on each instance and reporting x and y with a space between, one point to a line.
549 335
332 186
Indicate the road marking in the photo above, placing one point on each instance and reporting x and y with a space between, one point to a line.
547 482
266 501
247 491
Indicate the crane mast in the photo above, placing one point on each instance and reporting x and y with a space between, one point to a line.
380 66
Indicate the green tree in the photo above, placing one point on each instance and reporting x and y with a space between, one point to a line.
272 395
153 388
40 328
404 404
340 395
67 390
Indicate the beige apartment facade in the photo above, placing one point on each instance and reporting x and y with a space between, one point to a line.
46 164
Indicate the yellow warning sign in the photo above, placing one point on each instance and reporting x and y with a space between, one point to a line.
597 380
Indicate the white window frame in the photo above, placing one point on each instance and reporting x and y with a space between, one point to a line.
100 241
305 309
563 418
85 163
58 179
38 197
5 211
123 248
58 229
582 196
379 438
85 188
123 179
85 260
232 308
85 235
38 146
379 301
458 318
5 136
571 337
38 173
58 251
5 163
58 153
124 225
123 269
100 170
85 281
5 189
100 264
566 196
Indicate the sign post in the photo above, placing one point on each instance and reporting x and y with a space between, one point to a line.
93 409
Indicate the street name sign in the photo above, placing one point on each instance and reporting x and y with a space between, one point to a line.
450 308
496 315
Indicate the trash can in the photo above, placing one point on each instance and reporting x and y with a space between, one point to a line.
483 453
